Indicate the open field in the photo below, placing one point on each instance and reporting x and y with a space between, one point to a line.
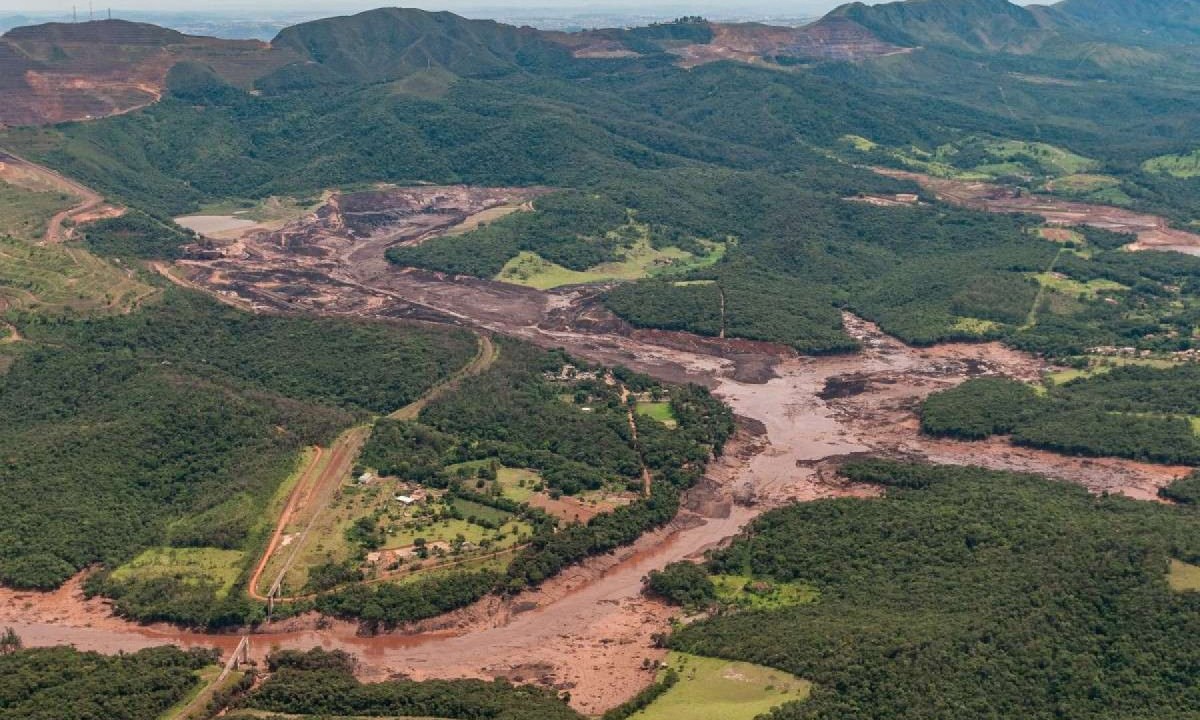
1098 365
57 279
976 326
1183 577
265 715
1090 289
746 592
990 159
1061 235
311 496
1153 232
713 689
194 565
660 411
1180 166
323 525
640 260
25 214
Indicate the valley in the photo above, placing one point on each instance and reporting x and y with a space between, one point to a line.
588 630
411 365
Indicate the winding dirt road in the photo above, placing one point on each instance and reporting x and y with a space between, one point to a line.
90 202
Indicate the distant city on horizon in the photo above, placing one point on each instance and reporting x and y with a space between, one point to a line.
264 23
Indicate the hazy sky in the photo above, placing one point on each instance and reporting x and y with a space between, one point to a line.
334 7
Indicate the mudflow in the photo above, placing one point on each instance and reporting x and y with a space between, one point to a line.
588 630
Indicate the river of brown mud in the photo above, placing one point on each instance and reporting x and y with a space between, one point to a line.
589 630
1152 231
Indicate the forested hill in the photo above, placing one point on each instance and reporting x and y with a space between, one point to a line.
1136 21
973 24
390 43
1001 25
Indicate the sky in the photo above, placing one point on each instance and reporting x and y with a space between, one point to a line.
336 7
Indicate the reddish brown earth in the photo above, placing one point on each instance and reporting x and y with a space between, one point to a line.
589 630
60 72
1153 232
831 38
89 206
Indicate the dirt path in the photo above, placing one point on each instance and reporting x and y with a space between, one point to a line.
315 499
484 358
284 518
647 480
315 490
89 200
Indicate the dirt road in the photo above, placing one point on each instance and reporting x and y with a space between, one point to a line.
487 354
309 500
302 488
90 202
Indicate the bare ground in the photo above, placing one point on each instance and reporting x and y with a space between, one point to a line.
588 630
1153 232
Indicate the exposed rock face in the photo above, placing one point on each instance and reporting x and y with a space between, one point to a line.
59 72
831 38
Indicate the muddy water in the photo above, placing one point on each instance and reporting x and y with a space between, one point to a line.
589 630
215 224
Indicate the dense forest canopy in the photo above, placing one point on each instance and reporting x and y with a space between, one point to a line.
965 591
177 422
717 152
1132 411
62 683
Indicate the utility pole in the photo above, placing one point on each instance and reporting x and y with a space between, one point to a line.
91 15
74 15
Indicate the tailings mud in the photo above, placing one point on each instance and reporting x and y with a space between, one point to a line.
589 630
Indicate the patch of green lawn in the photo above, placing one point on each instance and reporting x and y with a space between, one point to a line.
1183 577
193 565
747 592
713 689
660 411
639 260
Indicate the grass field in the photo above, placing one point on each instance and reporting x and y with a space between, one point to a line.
1065 285
1183 577
713 689
55 279
1083 183
1062 235
999 158
398 526
193 565
742 591
261 714
975 326
62 279
1055 159
1099 365
660 411
471 508
271 210
518 483
1180 166
638 261
24 213
511 533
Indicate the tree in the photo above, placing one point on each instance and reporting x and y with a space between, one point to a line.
10 642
